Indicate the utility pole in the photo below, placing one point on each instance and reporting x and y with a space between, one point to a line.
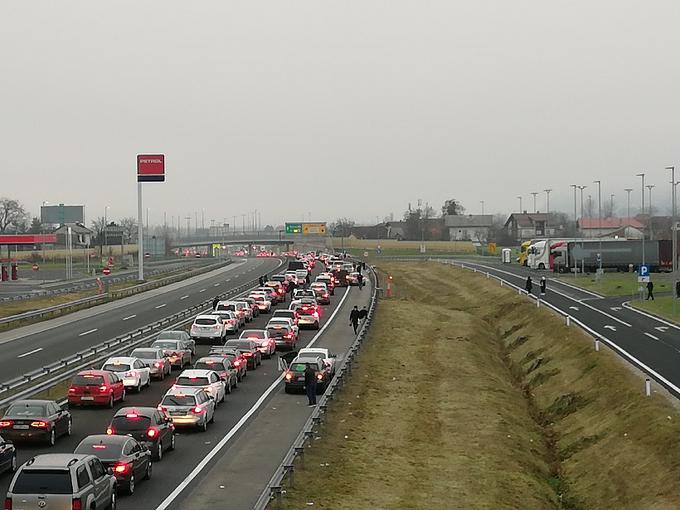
611 204
547 206
674 232
520 204
642 175
651 230
575 217
534 193
106 222
628 190
482 202
599 222
188 218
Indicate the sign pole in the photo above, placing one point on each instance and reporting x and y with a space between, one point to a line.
140 233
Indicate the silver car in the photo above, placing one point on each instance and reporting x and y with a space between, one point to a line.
62 481
159 364
183 336
189 407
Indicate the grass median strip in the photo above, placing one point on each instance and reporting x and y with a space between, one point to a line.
466 396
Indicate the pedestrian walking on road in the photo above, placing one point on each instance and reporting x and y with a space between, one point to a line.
543 284
650 290
529 285
310 384
261 280
354 318
360 280
215 302
363 313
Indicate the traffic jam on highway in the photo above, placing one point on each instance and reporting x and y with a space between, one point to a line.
194 373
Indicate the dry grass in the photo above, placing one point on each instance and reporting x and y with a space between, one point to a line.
467 396
389 244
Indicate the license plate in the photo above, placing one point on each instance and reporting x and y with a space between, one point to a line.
20 427
86 398
177 413
301 378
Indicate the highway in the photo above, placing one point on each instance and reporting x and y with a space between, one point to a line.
192 447
30 347
653 343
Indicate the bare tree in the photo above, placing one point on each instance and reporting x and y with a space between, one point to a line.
129 225
452 207
13 216
98 225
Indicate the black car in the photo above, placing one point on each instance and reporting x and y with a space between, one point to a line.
35 420
128 459
147 425
249 350
8 456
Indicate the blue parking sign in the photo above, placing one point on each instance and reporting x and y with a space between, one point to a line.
644 271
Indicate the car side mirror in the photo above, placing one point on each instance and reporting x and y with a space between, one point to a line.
109 471
211 397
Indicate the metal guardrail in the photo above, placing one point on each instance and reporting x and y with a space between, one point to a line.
116 294
286 469
64 368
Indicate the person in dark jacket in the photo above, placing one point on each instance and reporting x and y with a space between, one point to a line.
363 313
261 280
360 281
529 285
310 384
543 283
650 290
354 318
215 302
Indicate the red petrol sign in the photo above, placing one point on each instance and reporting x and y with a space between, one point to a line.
28 239
151 168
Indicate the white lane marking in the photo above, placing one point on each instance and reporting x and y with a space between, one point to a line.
202 290
30 352
201 465
615 308
610 327
663 329
216 285
184 297
130 317
594 295
573 308
628 306
161 306
88 332
652 336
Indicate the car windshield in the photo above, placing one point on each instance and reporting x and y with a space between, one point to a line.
206 322
253 333
179 400
116 367
26 410
172 335
43 481
125 423
192 381
165 345
105 452
208 365
88 380
144 354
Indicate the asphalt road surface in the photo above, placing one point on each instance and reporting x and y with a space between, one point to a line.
192 447
28 348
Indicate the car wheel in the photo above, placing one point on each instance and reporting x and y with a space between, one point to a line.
131 484
69 427
212 418
149 469
138 389
13 463
123 395
228 388
236 382
162 375
113 503
148 381
204 426
224 394
52 438
287 389
172 442
158 455
110 404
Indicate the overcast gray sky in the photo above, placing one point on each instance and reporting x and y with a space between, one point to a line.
338 108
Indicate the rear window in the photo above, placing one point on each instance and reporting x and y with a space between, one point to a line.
172 335
206 322
27 411
125 424
105 452
298 367
289 314
230 308
43 481
121 367
252 333
165 345
179 400
204 365
88 380
245 344
192 381
144 353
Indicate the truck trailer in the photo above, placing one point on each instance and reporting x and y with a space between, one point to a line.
616 254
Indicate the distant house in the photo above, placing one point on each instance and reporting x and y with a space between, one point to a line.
369 232
525 226
628 228
470 227
81 236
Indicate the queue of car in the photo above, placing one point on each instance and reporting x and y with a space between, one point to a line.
123 454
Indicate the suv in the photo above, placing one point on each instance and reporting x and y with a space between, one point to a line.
62 481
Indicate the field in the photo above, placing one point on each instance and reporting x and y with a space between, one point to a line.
617 284
392 245
468 397
662 306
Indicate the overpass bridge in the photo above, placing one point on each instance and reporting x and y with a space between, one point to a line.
248 239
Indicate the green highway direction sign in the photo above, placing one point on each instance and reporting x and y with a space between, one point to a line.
293 228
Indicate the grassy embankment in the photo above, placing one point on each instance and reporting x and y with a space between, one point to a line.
661 306
468 397
618 284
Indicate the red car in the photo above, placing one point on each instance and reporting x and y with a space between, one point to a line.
96 387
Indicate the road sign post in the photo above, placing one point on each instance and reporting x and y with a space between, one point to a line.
150 168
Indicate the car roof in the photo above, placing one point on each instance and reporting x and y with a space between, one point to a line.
143 411
211 316
313 349
55 460
107 438
195 372
32 402
120 359
192 390
165 340
94 372
216 359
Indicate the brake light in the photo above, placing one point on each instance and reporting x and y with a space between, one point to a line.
157 364
237 363
319 376
8 503
325 295
133 416
121 468
71 390
76 504
152 432
109 431
316 314
197 410
289 376
99 446
103 388
39 424
247 354
6 423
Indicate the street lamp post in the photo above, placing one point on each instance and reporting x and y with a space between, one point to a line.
599 223
106 221
642 175
674 232
575 218
482 202
628 190
535 194
520 203
547 209
651 230
611 205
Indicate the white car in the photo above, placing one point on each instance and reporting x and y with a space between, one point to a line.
233 306
208 380
263 304
208 327
189 407
328 358
284 321
231 322
133 371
